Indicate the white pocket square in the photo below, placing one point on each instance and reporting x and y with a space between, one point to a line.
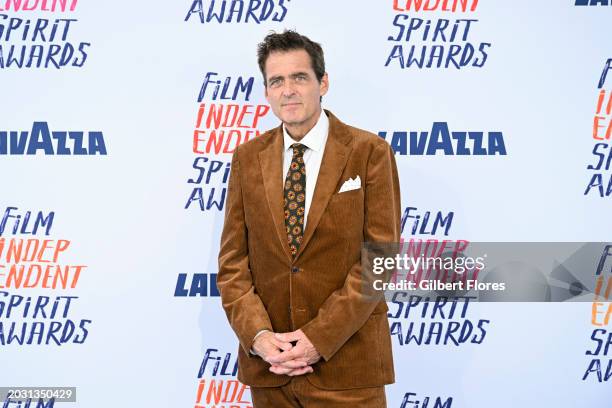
351 184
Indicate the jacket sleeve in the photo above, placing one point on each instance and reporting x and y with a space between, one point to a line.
243 307
347 309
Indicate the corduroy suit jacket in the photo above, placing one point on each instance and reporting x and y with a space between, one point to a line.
263 287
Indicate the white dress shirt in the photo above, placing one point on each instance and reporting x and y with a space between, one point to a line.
315 141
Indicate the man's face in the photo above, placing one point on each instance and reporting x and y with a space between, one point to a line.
292 89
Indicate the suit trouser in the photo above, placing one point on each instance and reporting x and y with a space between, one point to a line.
300 393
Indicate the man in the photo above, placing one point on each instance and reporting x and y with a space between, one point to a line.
302 198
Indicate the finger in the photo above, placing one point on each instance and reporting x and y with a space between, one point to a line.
287 337
276 369
285 356
282 345
292 364
300 371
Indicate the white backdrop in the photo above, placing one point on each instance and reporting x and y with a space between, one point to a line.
129 220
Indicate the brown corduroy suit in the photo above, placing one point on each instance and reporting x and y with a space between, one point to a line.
263 287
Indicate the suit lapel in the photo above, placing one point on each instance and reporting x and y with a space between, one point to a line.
337 149
271 162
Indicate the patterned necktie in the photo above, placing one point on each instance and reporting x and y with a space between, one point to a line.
295 197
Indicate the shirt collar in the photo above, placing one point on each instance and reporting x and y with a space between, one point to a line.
315 138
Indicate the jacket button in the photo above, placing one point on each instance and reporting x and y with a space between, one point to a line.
295 269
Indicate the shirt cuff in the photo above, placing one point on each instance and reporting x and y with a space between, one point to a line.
257 335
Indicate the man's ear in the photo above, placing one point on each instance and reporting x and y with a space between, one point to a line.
324 85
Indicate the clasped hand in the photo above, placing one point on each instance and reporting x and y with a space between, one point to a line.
283 357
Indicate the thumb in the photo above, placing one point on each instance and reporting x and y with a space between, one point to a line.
283 345
287 337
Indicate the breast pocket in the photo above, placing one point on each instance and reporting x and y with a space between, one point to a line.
345 211
348 196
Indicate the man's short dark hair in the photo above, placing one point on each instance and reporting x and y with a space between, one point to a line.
291 40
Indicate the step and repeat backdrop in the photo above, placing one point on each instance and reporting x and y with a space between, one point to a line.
118 124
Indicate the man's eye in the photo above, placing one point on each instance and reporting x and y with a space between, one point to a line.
275 82
301 78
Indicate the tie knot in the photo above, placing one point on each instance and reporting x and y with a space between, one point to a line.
298 149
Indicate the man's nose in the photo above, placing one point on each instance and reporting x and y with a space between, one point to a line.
288 89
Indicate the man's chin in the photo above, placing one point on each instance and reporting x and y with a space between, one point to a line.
292 121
